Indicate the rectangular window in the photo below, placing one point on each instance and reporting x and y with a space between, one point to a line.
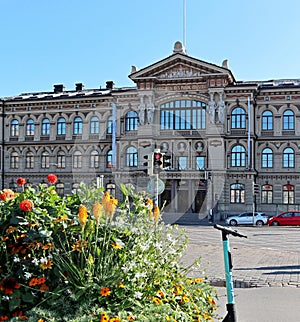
200 163
182 163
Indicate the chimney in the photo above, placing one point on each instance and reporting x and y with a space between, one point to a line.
79 87
110 85
59 88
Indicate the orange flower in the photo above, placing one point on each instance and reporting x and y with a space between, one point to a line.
104 317
21 181
7 194
44 288
26 205
109 204
105 199
52 178
97 210
105 291
149 205
114 320
46 264
8 285
83 215
156 213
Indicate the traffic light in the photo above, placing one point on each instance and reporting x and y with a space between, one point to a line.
148 164
157 161
166 163
256 189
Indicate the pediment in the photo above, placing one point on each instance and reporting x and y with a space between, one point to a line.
180 66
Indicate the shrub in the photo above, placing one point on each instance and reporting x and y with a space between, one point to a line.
87 257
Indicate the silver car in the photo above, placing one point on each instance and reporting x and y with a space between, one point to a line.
247 218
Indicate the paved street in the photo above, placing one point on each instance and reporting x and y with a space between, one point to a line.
266 268
270 256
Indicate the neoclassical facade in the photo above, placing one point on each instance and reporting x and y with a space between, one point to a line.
223 135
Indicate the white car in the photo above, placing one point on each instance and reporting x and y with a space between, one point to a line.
247 218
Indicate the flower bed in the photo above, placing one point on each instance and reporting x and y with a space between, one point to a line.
87 257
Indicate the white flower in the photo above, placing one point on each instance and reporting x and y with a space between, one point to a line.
16 259
5 298
27 275
138 295
44 260
35 261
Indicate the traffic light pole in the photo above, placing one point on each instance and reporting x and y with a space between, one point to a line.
156 190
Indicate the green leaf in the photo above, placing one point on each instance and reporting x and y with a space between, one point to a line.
14 303
28 297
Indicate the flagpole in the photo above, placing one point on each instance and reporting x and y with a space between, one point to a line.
184 23
249 129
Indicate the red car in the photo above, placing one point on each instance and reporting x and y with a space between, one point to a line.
287 218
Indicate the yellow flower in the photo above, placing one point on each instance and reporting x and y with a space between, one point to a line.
156 300
83 215
97 210
114 320
116 246
198 280
120 284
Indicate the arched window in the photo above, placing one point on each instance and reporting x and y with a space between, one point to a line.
267 158
45 160
60 188
61 126
237 193
77 160
29 160
109 159
288 120
288 158
267 193
14 160
238 118
94 159
14 128
131 121
29 127
183 115
77 125
267 121
288 194
131 157
238 156
94 125
109 125
45 127
61 160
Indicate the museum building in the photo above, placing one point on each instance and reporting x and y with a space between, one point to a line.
223 136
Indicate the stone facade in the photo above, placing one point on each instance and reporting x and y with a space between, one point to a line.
223 135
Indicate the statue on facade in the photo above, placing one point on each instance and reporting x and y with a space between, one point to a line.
212 109
142 109
150 111
221 110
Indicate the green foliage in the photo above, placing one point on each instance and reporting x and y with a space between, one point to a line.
68 260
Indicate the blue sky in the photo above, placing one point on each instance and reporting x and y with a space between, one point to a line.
47 42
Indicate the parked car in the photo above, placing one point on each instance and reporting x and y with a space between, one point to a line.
287 218
247 218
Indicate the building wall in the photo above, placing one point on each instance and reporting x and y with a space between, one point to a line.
176 78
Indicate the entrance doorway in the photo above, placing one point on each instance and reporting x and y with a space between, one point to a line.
200 201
